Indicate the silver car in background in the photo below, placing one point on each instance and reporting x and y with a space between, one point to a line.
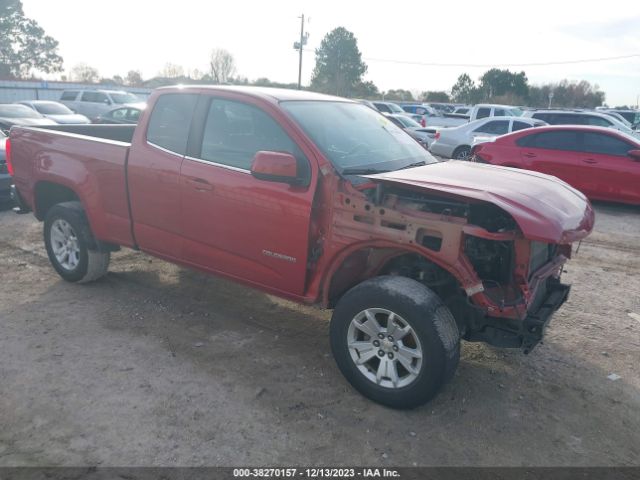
56 111
456 142
94 103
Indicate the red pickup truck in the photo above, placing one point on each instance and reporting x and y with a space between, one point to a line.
319 200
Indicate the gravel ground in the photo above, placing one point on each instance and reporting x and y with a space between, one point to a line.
159 365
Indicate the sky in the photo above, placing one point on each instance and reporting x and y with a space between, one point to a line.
116 36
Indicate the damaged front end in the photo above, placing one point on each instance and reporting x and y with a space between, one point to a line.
501 285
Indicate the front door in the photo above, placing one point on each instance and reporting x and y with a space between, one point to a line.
609 173
254 230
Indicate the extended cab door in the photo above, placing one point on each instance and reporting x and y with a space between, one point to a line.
154 174
555 153
609 173
233 223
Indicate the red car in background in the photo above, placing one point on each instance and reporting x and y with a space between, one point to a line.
602 163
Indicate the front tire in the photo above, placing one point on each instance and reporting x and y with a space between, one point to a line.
70 245
395 341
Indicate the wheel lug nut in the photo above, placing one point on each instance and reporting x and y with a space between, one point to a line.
390 338
381 353
376 343
390 356
380 336
395 348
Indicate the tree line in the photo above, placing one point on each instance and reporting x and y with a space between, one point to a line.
339 70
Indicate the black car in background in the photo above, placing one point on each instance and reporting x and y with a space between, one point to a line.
127 115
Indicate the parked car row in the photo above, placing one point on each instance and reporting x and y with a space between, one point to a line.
75 108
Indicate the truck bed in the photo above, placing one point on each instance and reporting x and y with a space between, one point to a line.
90 160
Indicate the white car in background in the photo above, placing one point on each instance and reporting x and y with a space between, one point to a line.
456 142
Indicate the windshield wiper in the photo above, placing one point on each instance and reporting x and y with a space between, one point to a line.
416 164
362 171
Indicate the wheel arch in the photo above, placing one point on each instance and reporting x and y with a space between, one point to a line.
48 194
367 260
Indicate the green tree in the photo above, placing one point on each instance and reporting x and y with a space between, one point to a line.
567 94
464 90
435 96
24 47
339 66
500 83
399 94
366 90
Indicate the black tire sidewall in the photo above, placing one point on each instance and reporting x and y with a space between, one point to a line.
76 218
457 151
437 362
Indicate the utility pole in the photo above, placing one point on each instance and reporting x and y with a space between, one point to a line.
299 46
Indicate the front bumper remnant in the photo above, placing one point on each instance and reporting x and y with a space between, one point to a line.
534 325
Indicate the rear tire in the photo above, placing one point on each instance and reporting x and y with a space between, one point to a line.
70 245
461 153
395 341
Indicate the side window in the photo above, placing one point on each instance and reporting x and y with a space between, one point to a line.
94 97
234 132
133 114
483 112
495 127
569 119
119 114
545 117
69 96
597 121
519 126
605 144
170 121
499 112
382 108
560 140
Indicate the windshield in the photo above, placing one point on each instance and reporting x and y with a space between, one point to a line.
515 112
122 98
620 118
52 108
407 122
353 136
17 111
395 108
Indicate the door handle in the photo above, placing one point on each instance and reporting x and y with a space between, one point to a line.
529 155
589 160
200 184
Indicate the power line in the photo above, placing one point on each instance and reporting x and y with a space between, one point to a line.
490 65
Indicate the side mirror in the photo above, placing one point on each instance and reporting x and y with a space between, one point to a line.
634 154
275 167
107 101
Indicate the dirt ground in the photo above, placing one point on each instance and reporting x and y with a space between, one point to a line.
159 365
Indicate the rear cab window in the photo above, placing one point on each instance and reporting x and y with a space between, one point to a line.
170 122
